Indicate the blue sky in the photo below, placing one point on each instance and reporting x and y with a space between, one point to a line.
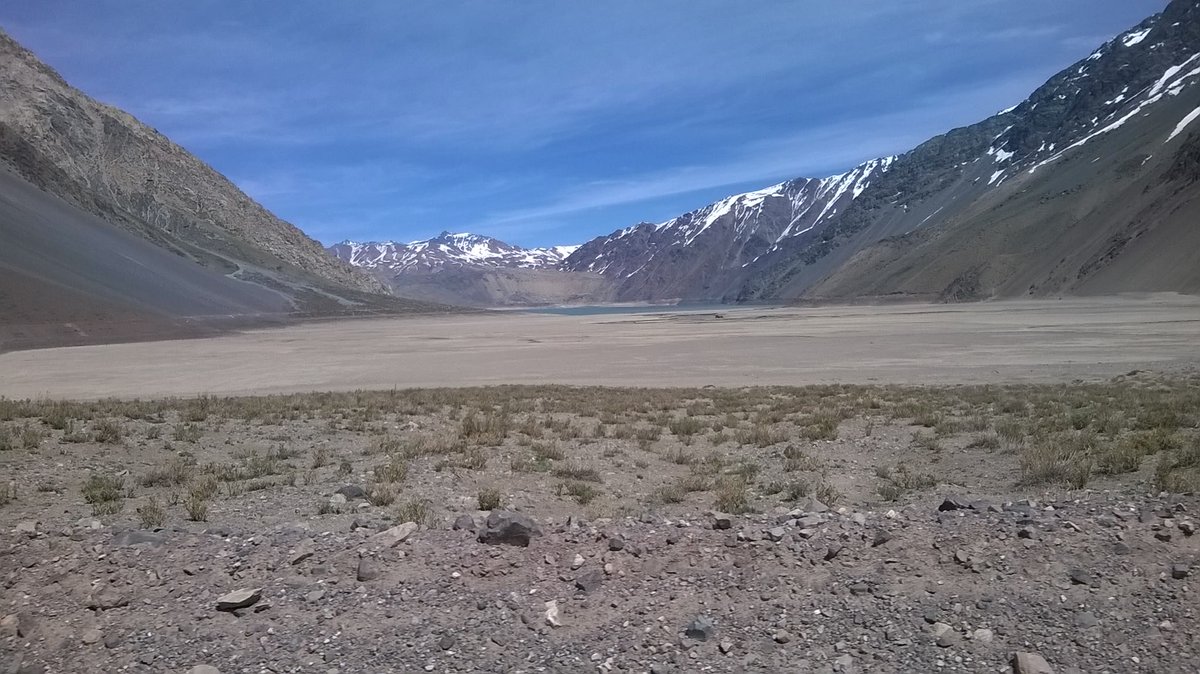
549 121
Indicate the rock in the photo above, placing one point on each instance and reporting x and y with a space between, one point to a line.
1180 571
962 558
392 537
940 628
589 581
91 636
314 596
463 522
616 543
859 519
700 629
947 639
351 491
722 520
204 669
1086 619
446 642
776 534
505 527
954 503
1026 532
108 598
881 537
302 552
844 663
1030 663
782 636
812 505
1187 527
859 589
1081 577
551 614
809 521
832 551
137 537
577 562
27 527
725 646
983 636
367 570
337 500
238 599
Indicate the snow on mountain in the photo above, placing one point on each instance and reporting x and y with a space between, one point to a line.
447 249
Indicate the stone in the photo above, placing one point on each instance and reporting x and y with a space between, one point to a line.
27 527
832 551
782 636
446 642
238 599
700 629
91 636
137 537
775 534
367 570
947 639
337 499
1081 577
616 543
551 614
204 669
505 527
314 596
983 636
1026 532
725 646
1086 619
1187 527
577 562
302 552
722 520
954 503
881 537
108 598
844 663
589 581
392 537
1180 571
464 522
812 505
1030 663
351 491
859 519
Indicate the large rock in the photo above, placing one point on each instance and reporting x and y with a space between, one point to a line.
700 629
509 528
394 536
1030 663
238 599
137 537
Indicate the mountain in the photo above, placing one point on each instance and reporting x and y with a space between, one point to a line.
1087 186
111 231
701 254
477 271
447 249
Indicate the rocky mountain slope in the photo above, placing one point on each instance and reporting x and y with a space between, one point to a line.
107 174
472 270
1088 186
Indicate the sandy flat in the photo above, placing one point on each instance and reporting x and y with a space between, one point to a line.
1029 341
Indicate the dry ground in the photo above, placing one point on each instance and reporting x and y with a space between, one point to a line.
1072 534
1035 341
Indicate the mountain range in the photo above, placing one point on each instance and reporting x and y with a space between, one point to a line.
1086 187
110 231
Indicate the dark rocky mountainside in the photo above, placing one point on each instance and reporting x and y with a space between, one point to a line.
107 176
1087 186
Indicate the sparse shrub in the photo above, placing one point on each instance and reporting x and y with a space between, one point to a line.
324 507
685 426
321 457
796 459
107 431
828 494
1050 462
345 468
395 470
926 442
761 436
985 441
821 426
187 433
488 498
380 494
196 507
176 472
547 451
6 440
747 470
1178 470
577 472
101 488
417 510
204 488
732 496
152 514
485 429
1010 432
31 437
582 492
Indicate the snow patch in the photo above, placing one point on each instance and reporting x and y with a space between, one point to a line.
1188 119
1135 37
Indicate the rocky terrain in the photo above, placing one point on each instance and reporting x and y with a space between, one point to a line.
528 529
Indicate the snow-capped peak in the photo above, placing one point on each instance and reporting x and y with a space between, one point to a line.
448 249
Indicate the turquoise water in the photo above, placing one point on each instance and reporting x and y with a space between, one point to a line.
604 309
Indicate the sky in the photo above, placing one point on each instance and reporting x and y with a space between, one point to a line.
548 122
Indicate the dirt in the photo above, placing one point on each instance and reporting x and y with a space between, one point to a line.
1035 341
825 529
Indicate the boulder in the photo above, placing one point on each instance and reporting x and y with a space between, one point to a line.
505 527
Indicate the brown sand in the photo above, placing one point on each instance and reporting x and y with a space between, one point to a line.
1027 341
